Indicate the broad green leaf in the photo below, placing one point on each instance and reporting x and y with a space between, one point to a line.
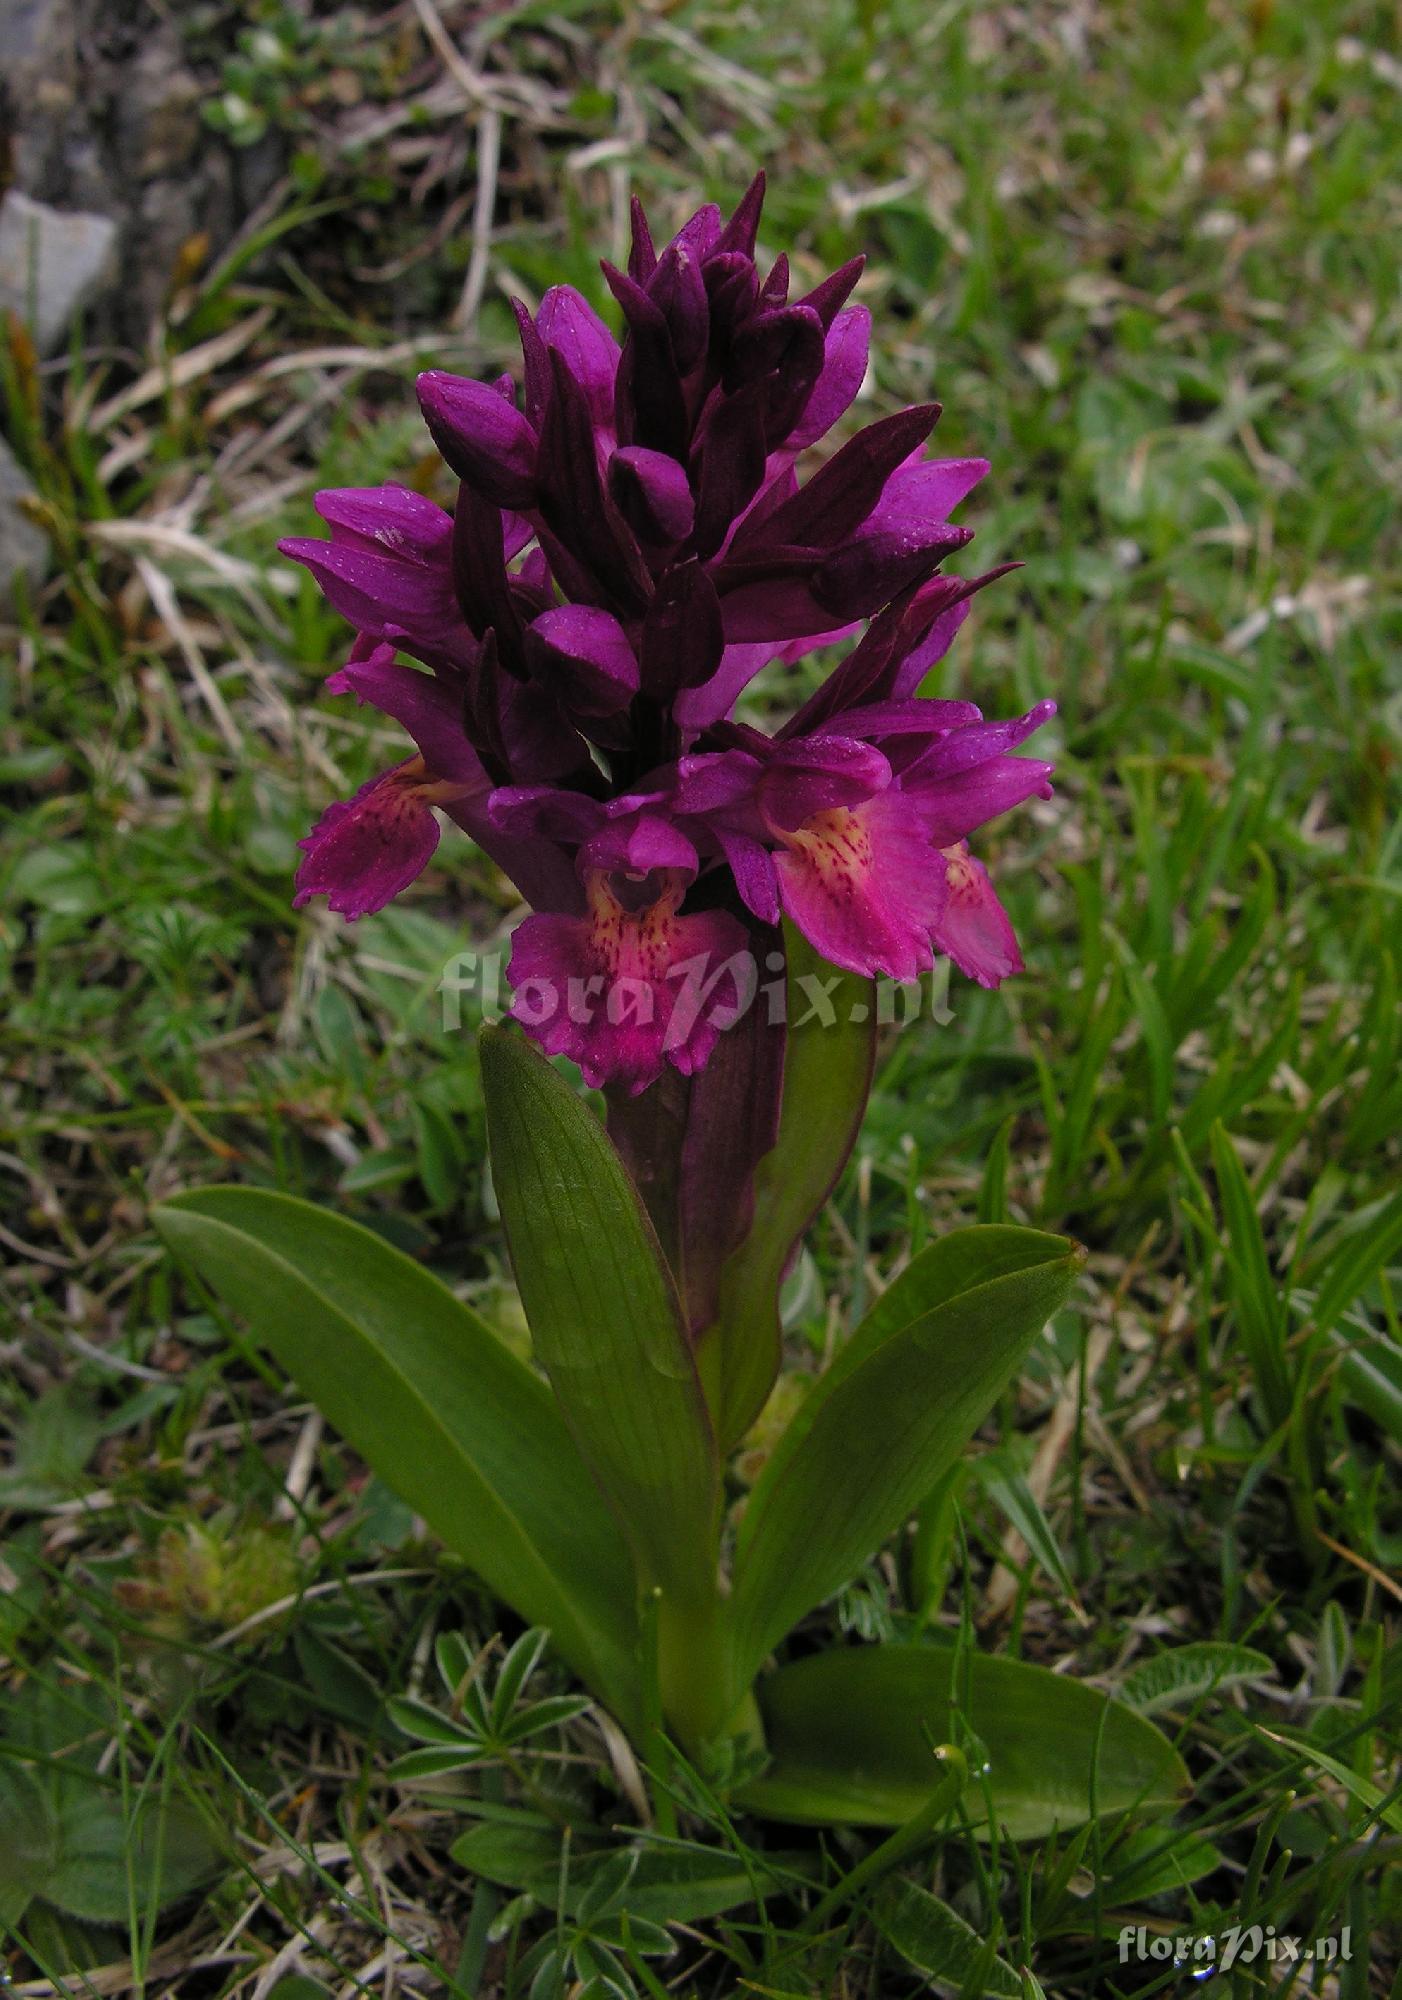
465 1433
671 1881
28 1840
849 1734
52 1444
604 1316
888 1418
828 1054
1184 1674
937 1941
109 1859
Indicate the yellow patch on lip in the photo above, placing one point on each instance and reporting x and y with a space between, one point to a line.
413 779
959 870
638 944
836 845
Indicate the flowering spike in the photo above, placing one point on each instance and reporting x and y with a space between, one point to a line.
628 550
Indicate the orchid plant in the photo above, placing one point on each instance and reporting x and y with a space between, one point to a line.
712 908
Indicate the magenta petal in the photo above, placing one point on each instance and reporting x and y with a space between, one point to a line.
484 438
927 491
973 928
714 780
697 707
363 851
637 843
953 807
866 888
544 812
874 567
624 996
976 743
393 518
845 355
430 709
876 720
818 773
407 601
753 868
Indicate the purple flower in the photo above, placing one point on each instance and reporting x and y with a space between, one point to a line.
632 541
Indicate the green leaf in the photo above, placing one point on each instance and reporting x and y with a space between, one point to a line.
107 1859
1003 1480
1153 1861
604 1316
465 1433
1371 1375
1256 1298
887 1419
827 1077
672 1882
1184 1674
850 1735
1379 1804
28 1840
52 1444
937 1941
1356 1263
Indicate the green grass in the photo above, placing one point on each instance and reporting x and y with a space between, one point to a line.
1149 266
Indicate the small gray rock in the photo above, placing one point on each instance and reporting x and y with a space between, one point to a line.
52 264
24 548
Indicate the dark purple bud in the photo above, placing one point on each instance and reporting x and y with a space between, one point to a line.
482 711
584 654
775 289
480 576
743 227
485 440
537 364
699 236
841 494
732 464
784 349
573 502
871 569
649 406
642 258
682 634
652 494
828 299
732 287
678 290
568 323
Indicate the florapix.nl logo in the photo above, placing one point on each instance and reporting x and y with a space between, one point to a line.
473 987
